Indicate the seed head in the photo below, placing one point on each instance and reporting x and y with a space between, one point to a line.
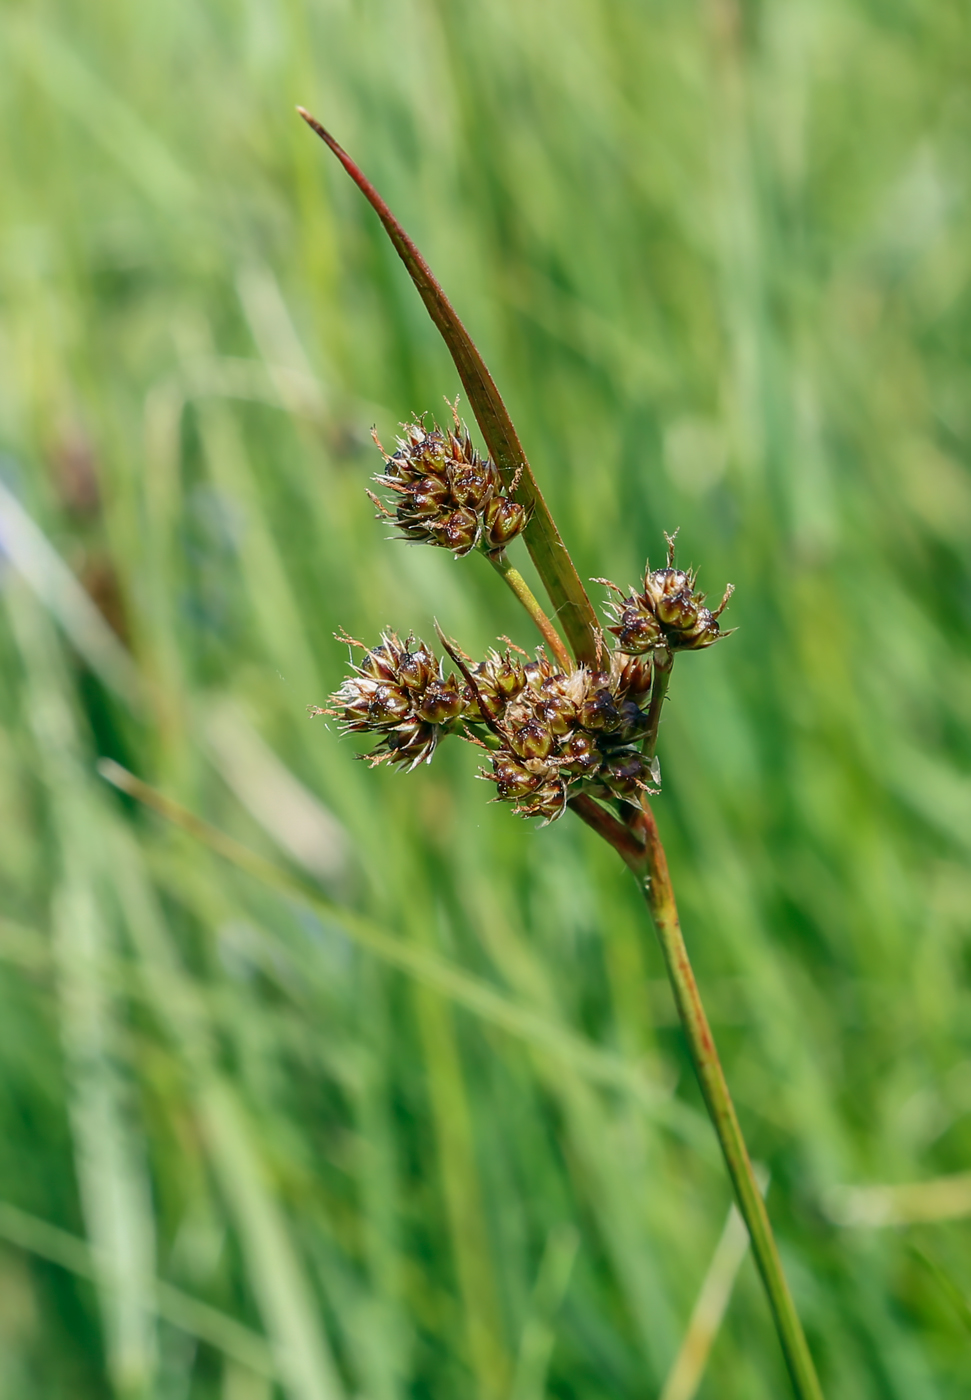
498 679
668 612
400 692
442 492
563 733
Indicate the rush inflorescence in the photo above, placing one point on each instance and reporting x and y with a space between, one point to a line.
445 494
551 732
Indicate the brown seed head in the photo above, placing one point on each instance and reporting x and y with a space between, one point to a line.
399 692
668 612
443 493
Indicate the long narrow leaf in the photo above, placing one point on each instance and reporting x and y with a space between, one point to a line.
549 554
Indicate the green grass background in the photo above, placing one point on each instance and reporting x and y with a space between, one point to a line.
718 257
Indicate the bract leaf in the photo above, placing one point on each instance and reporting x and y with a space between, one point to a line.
572 607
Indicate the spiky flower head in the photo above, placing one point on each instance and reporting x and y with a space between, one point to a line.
401 693
667 613
559 734
551 734
444 493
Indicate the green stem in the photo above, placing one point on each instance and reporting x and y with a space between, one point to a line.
649 865
527 597
662 679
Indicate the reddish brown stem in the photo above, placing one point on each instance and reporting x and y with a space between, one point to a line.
606 825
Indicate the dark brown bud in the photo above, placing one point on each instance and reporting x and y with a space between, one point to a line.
558 714
627 775
381 664
411 743
420 453
598 711
425 500
503 521
631 675
579 755
353 702
636 630
537 674
704 630
441 702
512 780
473 486
388 706
417 667
531 740
508 675
459 531
480 704
549 801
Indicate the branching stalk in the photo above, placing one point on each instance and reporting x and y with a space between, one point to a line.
570 731
515 581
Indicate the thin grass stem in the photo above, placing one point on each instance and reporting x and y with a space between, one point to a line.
515 581
655 883
659 690
648 863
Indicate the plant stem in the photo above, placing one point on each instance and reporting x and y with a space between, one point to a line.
662 679
527 597
649 865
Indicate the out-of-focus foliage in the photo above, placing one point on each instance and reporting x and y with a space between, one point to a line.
719 259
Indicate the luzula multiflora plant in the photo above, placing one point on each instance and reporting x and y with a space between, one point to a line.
574 726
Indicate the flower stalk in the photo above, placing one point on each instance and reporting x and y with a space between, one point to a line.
646 859
514 581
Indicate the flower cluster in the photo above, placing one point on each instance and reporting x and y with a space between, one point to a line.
550 734
401 693
668 613
445 494
562 733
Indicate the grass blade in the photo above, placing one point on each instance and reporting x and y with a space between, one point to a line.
276 1274
189 1314
475 995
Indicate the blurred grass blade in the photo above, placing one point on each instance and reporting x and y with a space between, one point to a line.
952 1291
452 1117
553 563
912 1203
686 1374
191 1316
598 1065
297 820
111 1170
42 568
538 1336
276 1275
116 125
